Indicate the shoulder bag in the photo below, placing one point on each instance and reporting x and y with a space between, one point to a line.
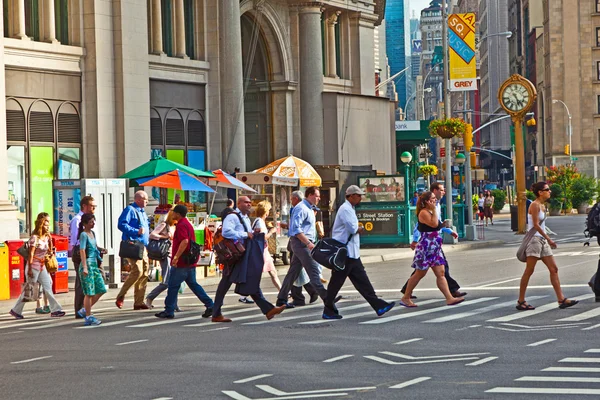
228 251
133 249
331 254
158 249
50 260
522 251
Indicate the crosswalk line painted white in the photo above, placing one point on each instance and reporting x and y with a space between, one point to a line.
541 342
572 369
592 351
580 360
428 311
478 311
538 310
55 325
583 316
363 314
581 379
525 390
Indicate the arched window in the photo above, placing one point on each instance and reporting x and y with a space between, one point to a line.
156 133
175 135
41 123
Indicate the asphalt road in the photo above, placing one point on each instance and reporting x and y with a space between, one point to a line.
480 349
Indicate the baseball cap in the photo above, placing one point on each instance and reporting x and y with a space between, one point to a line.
353 189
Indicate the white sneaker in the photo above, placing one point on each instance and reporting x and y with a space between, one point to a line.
149 303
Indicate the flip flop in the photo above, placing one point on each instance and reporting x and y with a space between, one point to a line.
458 302
403 304
567 303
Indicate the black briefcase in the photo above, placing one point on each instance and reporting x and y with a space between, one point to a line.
133 249
330 253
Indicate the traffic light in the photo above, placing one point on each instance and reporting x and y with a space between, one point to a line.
473 156
468 137
531 122
567 149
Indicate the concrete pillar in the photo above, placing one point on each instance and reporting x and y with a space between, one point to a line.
283 118
232 86
21 32
49 22
311 83
157 41
9 225
331 45
180 29
362 27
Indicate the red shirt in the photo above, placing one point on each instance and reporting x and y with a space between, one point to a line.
184 230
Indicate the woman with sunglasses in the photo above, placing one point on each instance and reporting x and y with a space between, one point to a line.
428 253
540 248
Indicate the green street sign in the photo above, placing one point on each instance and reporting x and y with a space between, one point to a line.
574 158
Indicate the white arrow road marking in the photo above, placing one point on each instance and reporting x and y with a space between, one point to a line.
429 311
277 392
538 310
476 312
237 396
411 382
334 359
253 378
407 357
571 369
390 362
31 360
581 379
132 342
541 342
482 361
568 391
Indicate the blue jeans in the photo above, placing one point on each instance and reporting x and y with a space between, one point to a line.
176 277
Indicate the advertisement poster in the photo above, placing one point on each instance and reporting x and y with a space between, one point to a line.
41 181
66 206
461 41
386 188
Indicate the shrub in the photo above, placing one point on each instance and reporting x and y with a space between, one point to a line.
530 195
556 197
583 190
499 199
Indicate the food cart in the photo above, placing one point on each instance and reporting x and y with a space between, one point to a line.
278 191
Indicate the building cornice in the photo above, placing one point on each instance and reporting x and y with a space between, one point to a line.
166 68
40 56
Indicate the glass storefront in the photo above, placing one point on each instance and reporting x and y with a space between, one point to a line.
16 184
69 162
40 184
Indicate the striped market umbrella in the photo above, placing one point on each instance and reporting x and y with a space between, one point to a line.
292 170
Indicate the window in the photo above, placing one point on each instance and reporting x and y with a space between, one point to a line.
167 27
190 31
597 37
61 17
17 185
598 109
5 15
598 70
598 6
338 50
32 19
69 163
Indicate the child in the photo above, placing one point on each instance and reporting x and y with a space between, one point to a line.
38 306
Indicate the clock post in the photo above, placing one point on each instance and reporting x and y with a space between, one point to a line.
516 96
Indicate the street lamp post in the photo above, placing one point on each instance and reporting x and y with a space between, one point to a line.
414 96
406 158
569 128
460 160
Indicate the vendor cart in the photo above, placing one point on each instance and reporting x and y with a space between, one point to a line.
278 192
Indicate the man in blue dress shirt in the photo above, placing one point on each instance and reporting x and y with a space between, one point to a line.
346 230
302 232
133 222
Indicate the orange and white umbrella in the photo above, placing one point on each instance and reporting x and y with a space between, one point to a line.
291 170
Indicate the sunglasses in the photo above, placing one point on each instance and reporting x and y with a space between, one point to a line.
545 190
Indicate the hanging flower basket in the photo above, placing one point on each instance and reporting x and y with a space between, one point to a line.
447 128
428 170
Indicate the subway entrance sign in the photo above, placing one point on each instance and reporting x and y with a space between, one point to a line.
378 222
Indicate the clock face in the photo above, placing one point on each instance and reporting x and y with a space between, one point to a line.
515 97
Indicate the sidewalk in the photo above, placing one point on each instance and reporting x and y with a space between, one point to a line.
493 236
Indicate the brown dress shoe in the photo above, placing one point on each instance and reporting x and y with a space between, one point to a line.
220 318
119 302
274 311
141 307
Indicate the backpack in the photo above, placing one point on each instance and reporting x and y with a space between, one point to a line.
592 222
228 251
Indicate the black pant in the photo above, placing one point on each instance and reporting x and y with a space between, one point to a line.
595 281
297 296
452 284
223 288
79 296
358 276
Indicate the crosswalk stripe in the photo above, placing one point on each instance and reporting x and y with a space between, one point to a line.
55 325
581 379
478 311
538 310
581 360
524 390
432 310
583 316
362 314
572 369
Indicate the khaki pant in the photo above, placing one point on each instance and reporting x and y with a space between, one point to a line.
138 278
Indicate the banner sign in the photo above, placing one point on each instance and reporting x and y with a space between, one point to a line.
461 42
378 222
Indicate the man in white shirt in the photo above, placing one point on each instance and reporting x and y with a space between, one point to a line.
346 229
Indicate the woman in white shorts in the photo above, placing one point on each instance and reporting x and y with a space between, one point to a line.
540 248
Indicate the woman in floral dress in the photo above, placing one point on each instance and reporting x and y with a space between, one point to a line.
428 253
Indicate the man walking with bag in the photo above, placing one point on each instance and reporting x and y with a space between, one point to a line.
183 269
237 227
133 222
346 229
302 232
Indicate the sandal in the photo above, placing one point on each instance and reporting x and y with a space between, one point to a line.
566 303
524 306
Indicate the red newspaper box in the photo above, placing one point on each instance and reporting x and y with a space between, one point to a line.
16 272
60 279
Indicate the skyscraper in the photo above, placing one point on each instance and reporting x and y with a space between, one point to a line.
398 42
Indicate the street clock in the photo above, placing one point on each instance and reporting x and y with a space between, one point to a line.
517 95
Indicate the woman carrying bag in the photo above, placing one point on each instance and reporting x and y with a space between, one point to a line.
163 231
40 249
92 281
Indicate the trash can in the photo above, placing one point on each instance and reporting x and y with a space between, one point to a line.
60 279
16 271
514 218
4 275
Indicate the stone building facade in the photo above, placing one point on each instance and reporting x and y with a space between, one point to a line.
93 88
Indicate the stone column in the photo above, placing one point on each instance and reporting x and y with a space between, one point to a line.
9 225
331 45
232 86
49 22
21 32
179 29
157 41
283 118
311 83
362 29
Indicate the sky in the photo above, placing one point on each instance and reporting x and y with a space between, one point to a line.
417 6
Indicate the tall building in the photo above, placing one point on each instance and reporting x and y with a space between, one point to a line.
432 70
398 42
94 88
415 68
